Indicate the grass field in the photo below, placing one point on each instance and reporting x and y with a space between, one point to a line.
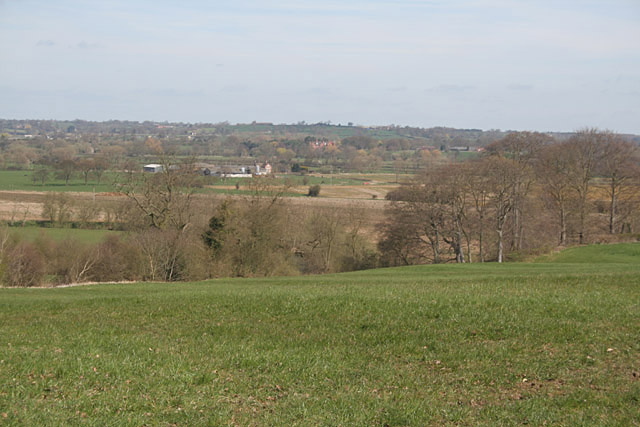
555 343
59 234
619 253
22 181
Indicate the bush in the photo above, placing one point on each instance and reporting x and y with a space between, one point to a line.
314 191
118 260
57 208
25 266
73 261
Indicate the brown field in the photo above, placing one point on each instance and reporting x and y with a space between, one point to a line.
372 191
18 206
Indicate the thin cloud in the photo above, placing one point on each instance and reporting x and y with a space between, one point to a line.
320 91
45 43
234 89
84 45
520 87
451 88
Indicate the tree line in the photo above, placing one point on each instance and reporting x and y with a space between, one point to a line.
527 193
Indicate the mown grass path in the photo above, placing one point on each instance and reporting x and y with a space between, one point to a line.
471 344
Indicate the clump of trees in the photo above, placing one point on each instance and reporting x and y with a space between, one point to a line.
527 193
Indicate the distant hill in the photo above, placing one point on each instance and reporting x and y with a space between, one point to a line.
433 136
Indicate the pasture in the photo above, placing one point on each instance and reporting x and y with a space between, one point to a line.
61 234
342 185
535 343
23 181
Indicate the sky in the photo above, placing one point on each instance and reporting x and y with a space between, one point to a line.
544 65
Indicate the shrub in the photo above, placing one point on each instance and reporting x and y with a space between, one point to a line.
73 261
25 266
314 191
118 260
57 208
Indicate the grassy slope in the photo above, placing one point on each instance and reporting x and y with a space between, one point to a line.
470 344
619 253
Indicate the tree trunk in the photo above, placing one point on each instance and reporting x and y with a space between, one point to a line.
515 241
500 249
583 208
480 239
436 248
459 251
563 226
467 239
612 209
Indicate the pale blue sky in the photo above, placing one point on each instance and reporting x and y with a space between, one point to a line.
532 64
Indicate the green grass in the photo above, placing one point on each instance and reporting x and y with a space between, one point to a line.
21 181
486 344
59 234
618 253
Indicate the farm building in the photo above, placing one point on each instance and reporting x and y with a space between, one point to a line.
152 168
241 171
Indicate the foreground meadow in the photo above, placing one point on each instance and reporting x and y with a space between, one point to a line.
551 342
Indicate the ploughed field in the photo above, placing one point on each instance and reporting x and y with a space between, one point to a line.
556 341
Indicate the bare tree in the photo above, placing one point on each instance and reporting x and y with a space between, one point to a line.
85 166
400 242
553 173
523 148
25 266
503 173
57 207
479 187
40 174
323 235
430 212
584 149
74 261
65 169
357 253
454 194
163 198
618 165
101 164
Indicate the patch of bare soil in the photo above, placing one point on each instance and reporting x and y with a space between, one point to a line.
374 191
27 205
20 205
